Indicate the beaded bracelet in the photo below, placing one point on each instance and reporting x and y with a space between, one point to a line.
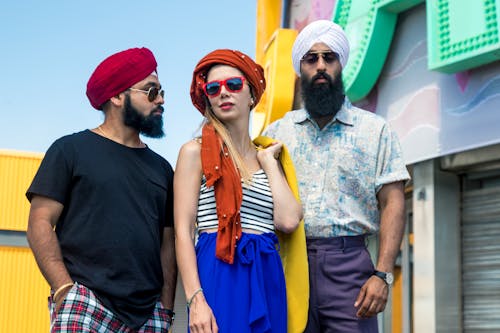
199 290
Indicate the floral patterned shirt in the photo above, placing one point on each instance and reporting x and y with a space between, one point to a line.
341 168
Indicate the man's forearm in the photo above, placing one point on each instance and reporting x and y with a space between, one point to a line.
169 267
392 225
45 246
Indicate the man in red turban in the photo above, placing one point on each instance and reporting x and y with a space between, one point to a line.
101 217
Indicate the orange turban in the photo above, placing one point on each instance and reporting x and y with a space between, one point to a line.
253 73
117 73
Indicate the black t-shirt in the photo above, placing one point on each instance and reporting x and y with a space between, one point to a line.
117 200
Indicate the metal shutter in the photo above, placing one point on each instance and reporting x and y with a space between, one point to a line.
481 254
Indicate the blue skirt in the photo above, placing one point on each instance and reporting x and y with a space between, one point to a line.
249 295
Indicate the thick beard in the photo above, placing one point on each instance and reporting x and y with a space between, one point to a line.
324 99
150 125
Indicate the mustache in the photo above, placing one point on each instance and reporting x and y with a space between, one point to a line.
159 108
322 75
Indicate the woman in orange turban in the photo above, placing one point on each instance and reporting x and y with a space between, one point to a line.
235 196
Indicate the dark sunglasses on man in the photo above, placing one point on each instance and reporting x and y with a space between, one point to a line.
312 57
152 93
232 84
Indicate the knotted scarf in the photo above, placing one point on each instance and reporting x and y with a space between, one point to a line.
220 172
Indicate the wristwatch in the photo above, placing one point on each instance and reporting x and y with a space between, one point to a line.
388 277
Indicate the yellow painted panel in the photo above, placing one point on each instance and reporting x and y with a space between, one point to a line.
17 170
280 78
23 293
397 301
268 20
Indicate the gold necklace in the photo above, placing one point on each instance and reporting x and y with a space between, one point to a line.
101 130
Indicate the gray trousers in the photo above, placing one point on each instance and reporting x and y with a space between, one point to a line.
338 267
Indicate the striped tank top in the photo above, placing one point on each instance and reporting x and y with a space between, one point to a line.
256 207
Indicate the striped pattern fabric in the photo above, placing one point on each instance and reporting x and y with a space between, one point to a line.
256 208
81 311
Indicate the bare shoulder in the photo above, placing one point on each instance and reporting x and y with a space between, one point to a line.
192 148
190 156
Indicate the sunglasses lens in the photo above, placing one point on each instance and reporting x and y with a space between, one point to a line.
154 92
329 57
310 58
234 84
212 88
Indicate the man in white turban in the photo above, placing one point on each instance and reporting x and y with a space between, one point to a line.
322 31
351 176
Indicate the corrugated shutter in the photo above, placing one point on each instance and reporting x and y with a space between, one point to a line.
23 293
17 170
23 290
481 256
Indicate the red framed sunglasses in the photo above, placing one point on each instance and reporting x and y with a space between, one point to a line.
232 84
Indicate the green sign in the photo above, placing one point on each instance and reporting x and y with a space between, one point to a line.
461 34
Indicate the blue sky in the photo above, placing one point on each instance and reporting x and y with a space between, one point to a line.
50 48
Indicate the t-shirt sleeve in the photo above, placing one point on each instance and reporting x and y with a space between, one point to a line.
53 177
391 166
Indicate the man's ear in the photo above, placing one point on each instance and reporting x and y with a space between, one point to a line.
118 100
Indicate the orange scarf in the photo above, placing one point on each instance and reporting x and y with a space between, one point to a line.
220 172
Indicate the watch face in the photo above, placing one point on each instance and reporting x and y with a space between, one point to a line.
389 278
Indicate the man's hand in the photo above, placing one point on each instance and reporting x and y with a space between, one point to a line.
372 298
61 296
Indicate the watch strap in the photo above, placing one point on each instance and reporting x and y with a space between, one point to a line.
381 275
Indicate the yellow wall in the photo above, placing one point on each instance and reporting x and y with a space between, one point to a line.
23 293
268 20
16 172
274 53
280 80
23 290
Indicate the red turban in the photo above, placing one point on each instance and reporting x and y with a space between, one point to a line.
119 72
252 71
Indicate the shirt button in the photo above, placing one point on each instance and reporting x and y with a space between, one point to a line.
216 167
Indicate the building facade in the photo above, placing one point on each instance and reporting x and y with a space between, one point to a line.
432 70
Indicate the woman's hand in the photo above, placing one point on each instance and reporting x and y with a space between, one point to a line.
287 211
269 154
201 317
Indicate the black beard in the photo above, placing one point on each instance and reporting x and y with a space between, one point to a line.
324 99
150 125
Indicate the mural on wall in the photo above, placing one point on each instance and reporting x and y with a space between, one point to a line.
303 12
435 114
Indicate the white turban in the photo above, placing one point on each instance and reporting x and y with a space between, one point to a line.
321 31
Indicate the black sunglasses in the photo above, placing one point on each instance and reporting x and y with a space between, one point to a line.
312 57
152 93
232 84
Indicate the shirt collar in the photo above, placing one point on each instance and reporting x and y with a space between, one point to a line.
343 116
